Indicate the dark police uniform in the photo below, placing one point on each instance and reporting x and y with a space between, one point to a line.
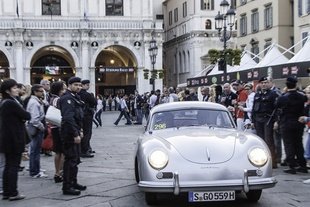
291 107
71 108
89 110
263 118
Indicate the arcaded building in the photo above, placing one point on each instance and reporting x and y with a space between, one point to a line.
106 41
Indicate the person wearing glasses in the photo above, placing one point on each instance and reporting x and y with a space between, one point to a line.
36 129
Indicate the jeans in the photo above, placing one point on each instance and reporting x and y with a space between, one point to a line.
35 149
123 113
307 149
2 163
139 115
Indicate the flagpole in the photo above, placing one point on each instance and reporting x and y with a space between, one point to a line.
17 9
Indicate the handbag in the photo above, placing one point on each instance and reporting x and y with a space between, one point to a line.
53 116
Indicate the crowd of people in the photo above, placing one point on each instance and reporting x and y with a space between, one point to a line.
275 115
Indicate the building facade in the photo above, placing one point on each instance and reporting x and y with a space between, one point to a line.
189 34
106 41
301 22
263 22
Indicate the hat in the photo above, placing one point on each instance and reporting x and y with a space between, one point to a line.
291 79
85 82
249 86
237 82
74 80
7 85
263 79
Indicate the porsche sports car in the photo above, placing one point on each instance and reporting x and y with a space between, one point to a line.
195 148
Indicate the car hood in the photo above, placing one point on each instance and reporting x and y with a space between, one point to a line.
204 146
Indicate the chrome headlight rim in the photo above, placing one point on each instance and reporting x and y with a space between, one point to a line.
158 159
258 156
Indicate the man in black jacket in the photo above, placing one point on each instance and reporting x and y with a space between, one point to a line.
291 107
71 108
89 110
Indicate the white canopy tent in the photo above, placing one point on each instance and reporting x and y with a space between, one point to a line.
304 53
246 62
272 57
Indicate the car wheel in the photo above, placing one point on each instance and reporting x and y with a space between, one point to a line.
254 195
137 171
151 198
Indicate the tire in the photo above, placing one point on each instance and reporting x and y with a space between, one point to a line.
254 195
151 198
137 171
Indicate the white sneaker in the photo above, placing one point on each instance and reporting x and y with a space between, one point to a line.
306 181
42 170
40 175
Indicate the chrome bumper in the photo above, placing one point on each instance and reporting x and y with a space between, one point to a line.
173 185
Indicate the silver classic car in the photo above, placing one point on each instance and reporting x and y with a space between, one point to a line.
195 148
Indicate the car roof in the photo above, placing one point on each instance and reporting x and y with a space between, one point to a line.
187 105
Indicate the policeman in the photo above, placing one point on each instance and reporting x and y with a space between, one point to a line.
263 115
291 107
89 110
71 108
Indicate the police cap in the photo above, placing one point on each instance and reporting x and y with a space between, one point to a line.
291 79
74 80
262 79
85 82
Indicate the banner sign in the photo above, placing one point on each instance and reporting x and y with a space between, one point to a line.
117 70
52 70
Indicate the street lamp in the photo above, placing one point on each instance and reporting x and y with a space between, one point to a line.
153 50
224 19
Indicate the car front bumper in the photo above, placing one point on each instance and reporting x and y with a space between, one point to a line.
174 185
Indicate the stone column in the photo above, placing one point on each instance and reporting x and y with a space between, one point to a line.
78 72
85 61
19 61
27 76
92 79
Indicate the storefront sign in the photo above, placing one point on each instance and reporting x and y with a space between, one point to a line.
117 70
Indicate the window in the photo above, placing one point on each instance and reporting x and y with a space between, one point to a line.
188 62
184 9
170 18
303 37
176 15
114 7
243 25
203 5
51 7
268 16
208 24
255 21
255 50
267 44
303 7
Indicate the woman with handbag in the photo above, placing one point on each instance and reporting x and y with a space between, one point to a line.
57 89
12 137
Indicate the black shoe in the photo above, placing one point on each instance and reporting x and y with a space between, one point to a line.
21 168
290 171
58 179
115 124
5 197
79 187
136 123
283 163
128 123
86 155
71 191
302 169
48 153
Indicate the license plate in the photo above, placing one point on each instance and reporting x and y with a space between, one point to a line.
211 196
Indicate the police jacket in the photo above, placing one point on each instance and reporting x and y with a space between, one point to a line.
12 126
71 108
264 105
90 102
291 107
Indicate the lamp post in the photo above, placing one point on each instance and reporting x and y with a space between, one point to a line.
225 18
153 50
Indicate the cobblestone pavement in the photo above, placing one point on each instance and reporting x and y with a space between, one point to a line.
109 177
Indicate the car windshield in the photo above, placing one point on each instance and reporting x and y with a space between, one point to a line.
186 117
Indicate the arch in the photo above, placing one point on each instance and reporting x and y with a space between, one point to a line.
38 47
208 24
8 56
130 49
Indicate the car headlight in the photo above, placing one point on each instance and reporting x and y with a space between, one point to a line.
258 157
158 159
